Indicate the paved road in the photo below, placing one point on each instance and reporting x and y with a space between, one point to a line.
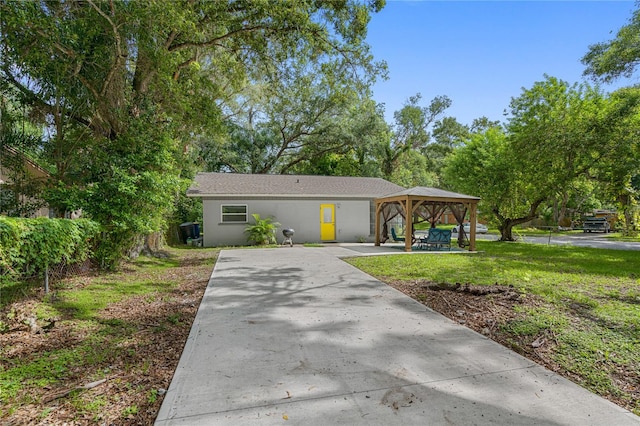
578 240
296 336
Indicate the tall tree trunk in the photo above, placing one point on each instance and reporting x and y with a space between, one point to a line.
562 214
506 230
149 244
507 224
626 204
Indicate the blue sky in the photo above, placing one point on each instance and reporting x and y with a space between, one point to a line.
482 53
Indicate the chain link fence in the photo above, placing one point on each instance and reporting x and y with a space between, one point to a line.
12 283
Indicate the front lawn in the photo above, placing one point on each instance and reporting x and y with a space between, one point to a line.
99 349
575 310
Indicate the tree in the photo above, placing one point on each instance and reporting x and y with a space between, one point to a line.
412 170
488 167
448 133
287 123
554 135
20 152
481 124
618 172
554 126
21 187
364 130
413 122
583 195
411 131
125 85
610 60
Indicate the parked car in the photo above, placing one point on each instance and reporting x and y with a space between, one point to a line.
596 224
480 228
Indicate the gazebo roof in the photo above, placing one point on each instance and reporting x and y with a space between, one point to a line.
433 194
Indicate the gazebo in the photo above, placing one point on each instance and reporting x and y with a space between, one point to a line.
424 204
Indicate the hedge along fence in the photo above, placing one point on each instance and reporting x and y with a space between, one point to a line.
28 247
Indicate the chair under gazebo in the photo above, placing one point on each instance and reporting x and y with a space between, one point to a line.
424 204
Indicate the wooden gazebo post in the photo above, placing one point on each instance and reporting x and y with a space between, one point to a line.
377 221
473 217
408 218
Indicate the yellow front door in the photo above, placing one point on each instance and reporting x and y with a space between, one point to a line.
327 222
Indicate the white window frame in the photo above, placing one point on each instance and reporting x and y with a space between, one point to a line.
224 215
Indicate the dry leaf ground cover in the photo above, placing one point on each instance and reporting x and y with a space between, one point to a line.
574 310
99 349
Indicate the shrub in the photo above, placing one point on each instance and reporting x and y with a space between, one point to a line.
29 246
263 231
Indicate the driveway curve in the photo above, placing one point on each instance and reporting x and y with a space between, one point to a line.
297 336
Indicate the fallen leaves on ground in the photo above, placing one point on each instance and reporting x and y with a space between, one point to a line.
134 378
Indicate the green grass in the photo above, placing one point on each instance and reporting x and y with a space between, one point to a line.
590 300
619 237
86 302
45 369
519 232
12 290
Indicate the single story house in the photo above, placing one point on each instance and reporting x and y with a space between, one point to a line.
318 208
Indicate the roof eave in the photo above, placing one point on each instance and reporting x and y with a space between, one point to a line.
279 196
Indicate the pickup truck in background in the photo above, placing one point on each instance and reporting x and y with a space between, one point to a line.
596 224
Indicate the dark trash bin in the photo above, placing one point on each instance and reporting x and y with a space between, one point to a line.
189 230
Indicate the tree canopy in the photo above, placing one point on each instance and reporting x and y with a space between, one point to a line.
125 87
556 134
619 57
287 121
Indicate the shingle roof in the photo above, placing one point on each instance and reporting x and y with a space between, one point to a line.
424 191
234 184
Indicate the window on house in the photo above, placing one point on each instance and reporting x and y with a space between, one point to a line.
234 213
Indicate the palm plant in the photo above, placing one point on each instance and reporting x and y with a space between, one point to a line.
263 231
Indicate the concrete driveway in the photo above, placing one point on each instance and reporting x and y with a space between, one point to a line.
297 336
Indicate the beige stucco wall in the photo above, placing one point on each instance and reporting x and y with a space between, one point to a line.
352 220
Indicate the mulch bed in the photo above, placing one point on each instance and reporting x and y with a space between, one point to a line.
483 309
137 374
